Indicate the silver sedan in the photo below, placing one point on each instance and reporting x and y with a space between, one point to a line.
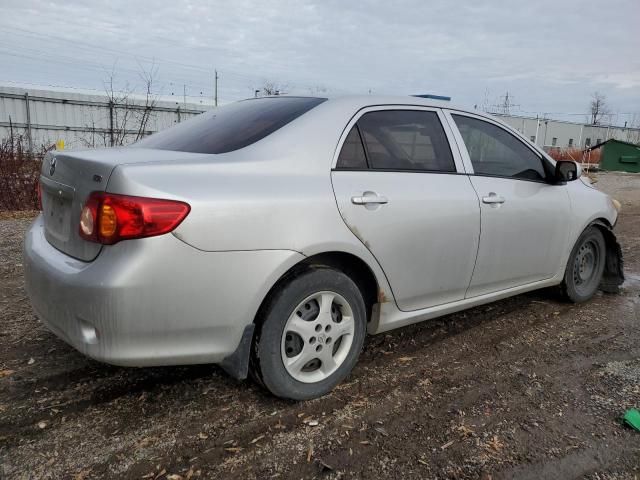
271 235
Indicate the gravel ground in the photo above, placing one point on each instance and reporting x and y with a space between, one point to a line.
529 387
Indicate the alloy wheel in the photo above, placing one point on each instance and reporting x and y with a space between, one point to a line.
317 337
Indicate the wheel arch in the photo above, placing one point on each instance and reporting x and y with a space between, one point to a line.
237 364
613 274
351 265
241 363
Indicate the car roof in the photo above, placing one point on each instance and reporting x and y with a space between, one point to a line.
357 102
363 101
369 100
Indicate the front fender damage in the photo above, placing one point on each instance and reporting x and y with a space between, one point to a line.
613 274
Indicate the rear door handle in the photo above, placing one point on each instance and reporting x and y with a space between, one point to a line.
369 199
493 199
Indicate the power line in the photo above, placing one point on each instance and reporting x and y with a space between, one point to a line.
504 107
84 65
583 113
40 56
90 47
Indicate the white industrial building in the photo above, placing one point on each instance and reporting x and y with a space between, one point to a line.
43 117
548 133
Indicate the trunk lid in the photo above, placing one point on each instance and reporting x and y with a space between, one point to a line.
67 178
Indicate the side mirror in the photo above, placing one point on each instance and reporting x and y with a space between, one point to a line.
567 171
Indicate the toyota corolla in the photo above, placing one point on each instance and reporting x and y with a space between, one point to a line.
272 234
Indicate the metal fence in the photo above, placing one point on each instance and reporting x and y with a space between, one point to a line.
80 120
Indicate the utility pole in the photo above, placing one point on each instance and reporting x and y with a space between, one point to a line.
184 95
505 107
29 137
111 105
215 88
11 133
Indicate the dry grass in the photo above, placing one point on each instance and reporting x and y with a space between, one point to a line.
19 173
576 154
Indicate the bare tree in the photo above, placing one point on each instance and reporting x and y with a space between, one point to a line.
147 76
128 116
119 111
272 88
598 108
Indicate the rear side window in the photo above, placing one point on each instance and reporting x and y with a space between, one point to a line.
406 140
232 126
494 151
352 155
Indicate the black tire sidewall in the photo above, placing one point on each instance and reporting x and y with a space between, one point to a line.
591 233
269 359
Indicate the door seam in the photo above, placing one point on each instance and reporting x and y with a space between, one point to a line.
475 263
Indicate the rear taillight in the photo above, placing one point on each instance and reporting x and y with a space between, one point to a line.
108 218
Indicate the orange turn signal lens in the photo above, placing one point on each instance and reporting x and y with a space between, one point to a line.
108 220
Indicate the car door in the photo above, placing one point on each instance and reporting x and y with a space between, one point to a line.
402 191
524 217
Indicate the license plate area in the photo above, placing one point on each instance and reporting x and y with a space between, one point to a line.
57 213
57 206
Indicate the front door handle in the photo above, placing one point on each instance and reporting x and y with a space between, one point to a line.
493 199
368 198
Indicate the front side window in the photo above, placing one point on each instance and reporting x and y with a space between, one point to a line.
406 140
232 126
496 152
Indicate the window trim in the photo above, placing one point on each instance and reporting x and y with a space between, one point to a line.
364 149
397 170
547 166
457 159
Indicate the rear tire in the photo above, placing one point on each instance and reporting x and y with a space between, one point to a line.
310 336
585 266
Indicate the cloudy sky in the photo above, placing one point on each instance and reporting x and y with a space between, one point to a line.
549 55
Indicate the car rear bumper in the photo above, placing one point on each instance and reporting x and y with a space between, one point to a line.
154 301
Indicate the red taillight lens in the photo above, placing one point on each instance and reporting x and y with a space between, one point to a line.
108 218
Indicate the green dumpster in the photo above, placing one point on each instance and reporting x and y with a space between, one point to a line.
619 156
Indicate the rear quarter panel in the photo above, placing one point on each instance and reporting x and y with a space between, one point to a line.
273 195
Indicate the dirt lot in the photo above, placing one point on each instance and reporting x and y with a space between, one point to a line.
529 387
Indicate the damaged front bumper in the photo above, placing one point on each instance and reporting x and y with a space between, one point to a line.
613 275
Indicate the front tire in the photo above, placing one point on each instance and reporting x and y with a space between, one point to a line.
311 334
585 266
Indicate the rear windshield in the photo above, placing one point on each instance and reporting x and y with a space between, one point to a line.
232 126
